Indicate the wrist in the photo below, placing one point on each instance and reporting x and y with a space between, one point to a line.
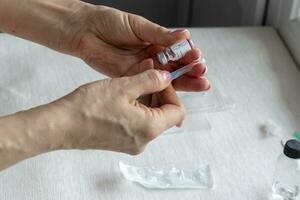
73 24
50 124
38 128
27 134
49 23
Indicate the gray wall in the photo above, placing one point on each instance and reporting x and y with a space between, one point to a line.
176 13
163 14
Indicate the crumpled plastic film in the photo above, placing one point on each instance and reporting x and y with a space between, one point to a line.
169 177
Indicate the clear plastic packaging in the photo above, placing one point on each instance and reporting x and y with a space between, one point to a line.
210 101
169 177
197 104
192 123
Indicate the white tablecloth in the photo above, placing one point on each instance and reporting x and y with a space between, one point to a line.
250 65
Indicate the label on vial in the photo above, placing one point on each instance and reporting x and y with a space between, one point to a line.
180 49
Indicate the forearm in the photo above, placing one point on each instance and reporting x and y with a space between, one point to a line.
45 22
29 133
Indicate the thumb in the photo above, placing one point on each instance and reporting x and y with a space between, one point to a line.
155 34
148 82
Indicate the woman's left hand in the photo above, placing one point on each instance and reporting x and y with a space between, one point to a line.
115 42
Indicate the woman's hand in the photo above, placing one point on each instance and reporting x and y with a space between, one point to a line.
106 114
114 42
100 115
111 41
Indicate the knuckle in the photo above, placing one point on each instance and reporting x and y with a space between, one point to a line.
118 85
154 76
150 135
149 132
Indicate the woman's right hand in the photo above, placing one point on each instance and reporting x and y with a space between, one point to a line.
107 115
100 115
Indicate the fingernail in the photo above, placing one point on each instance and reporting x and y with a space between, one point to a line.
166 75
181 30
197 60
208 88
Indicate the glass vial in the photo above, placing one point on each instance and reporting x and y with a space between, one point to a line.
175 52
286 183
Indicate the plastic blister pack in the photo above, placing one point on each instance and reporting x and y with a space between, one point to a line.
197 104
169 177
207 102
192 123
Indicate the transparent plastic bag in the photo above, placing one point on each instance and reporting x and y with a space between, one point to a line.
207 102
196 105
169 177
192 123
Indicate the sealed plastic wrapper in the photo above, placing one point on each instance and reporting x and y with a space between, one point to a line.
210 101
192 123
197 104
169 177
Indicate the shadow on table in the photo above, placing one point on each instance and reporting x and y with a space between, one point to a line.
262 195
109 183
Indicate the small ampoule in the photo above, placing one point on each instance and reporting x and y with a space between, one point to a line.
175 52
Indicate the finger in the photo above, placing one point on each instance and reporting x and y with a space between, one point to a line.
140 67
154 101
171 116
146 65
153 50
198 71
146 100
97 54
154 34
169 96
147 82
192 55
186 83
159 119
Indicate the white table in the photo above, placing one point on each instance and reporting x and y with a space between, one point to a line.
250 65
